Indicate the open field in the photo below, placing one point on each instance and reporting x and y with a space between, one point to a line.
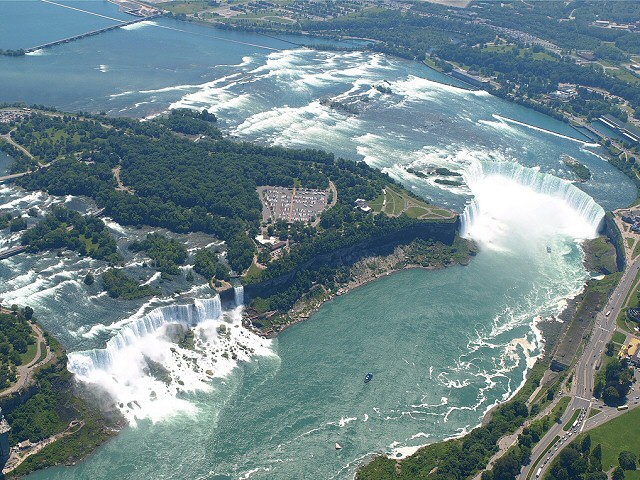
29 354
398 203
617 435
619 338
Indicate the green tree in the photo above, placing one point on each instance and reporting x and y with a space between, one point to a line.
627 460
618 473
595 460
611 396
610 349
585 445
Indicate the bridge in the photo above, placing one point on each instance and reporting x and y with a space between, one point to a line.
12 251
7 178
88 34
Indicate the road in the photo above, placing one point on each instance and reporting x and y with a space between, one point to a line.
584 375
10 140
25 371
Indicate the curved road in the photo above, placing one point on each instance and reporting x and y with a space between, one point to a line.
584 376
25 371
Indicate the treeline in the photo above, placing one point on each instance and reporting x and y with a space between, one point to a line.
539 76
119 285
15 337
182 185
541 20
454 459
166 254
64 228
22 162
207 264
49 410
578 461
405 34
15 224
613 382
454 36
190 122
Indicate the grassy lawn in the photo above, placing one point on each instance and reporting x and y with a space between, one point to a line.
415 207
593 412
636 250
498 48
432 64
253 272
619 338
29 354
438 211
629 242
185 7
376 204
617 435
43 352
544 56
560 407
395 202
415 212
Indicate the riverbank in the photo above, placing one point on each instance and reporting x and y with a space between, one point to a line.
418 254
534 395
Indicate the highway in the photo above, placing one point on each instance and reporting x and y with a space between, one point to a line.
584 379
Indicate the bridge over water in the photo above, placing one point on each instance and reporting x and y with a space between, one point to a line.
88 34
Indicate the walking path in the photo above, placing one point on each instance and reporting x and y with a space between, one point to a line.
17 457
7 137
25 371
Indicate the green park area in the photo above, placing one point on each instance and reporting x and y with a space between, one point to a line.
618 435
395 202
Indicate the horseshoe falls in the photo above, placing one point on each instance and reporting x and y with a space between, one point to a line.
444 346
518 205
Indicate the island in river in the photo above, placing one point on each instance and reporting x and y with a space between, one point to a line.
369 226
130 169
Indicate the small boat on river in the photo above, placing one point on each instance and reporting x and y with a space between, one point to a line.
368 377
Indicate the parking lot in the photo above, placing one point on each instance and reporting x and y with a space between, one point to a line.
292 204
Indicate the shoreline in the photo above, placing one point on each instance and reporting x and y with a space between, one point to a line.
363 272
551 332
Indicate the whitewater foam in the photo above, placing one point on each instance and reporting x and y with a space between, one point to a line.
147 366
515 207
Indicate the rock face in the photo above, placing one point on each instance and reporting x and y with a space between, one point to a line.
443 231
5 450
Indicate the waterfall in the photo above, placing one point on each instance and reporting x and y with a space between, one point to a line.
189 316
238 295
504 189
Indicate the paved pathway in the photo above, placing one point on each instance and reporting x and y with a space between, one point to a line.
25 371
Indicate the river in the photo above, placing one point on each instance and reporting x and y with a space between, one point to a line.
444 346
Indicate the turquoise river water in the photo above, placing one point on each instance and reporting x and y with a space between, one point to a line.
444 346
